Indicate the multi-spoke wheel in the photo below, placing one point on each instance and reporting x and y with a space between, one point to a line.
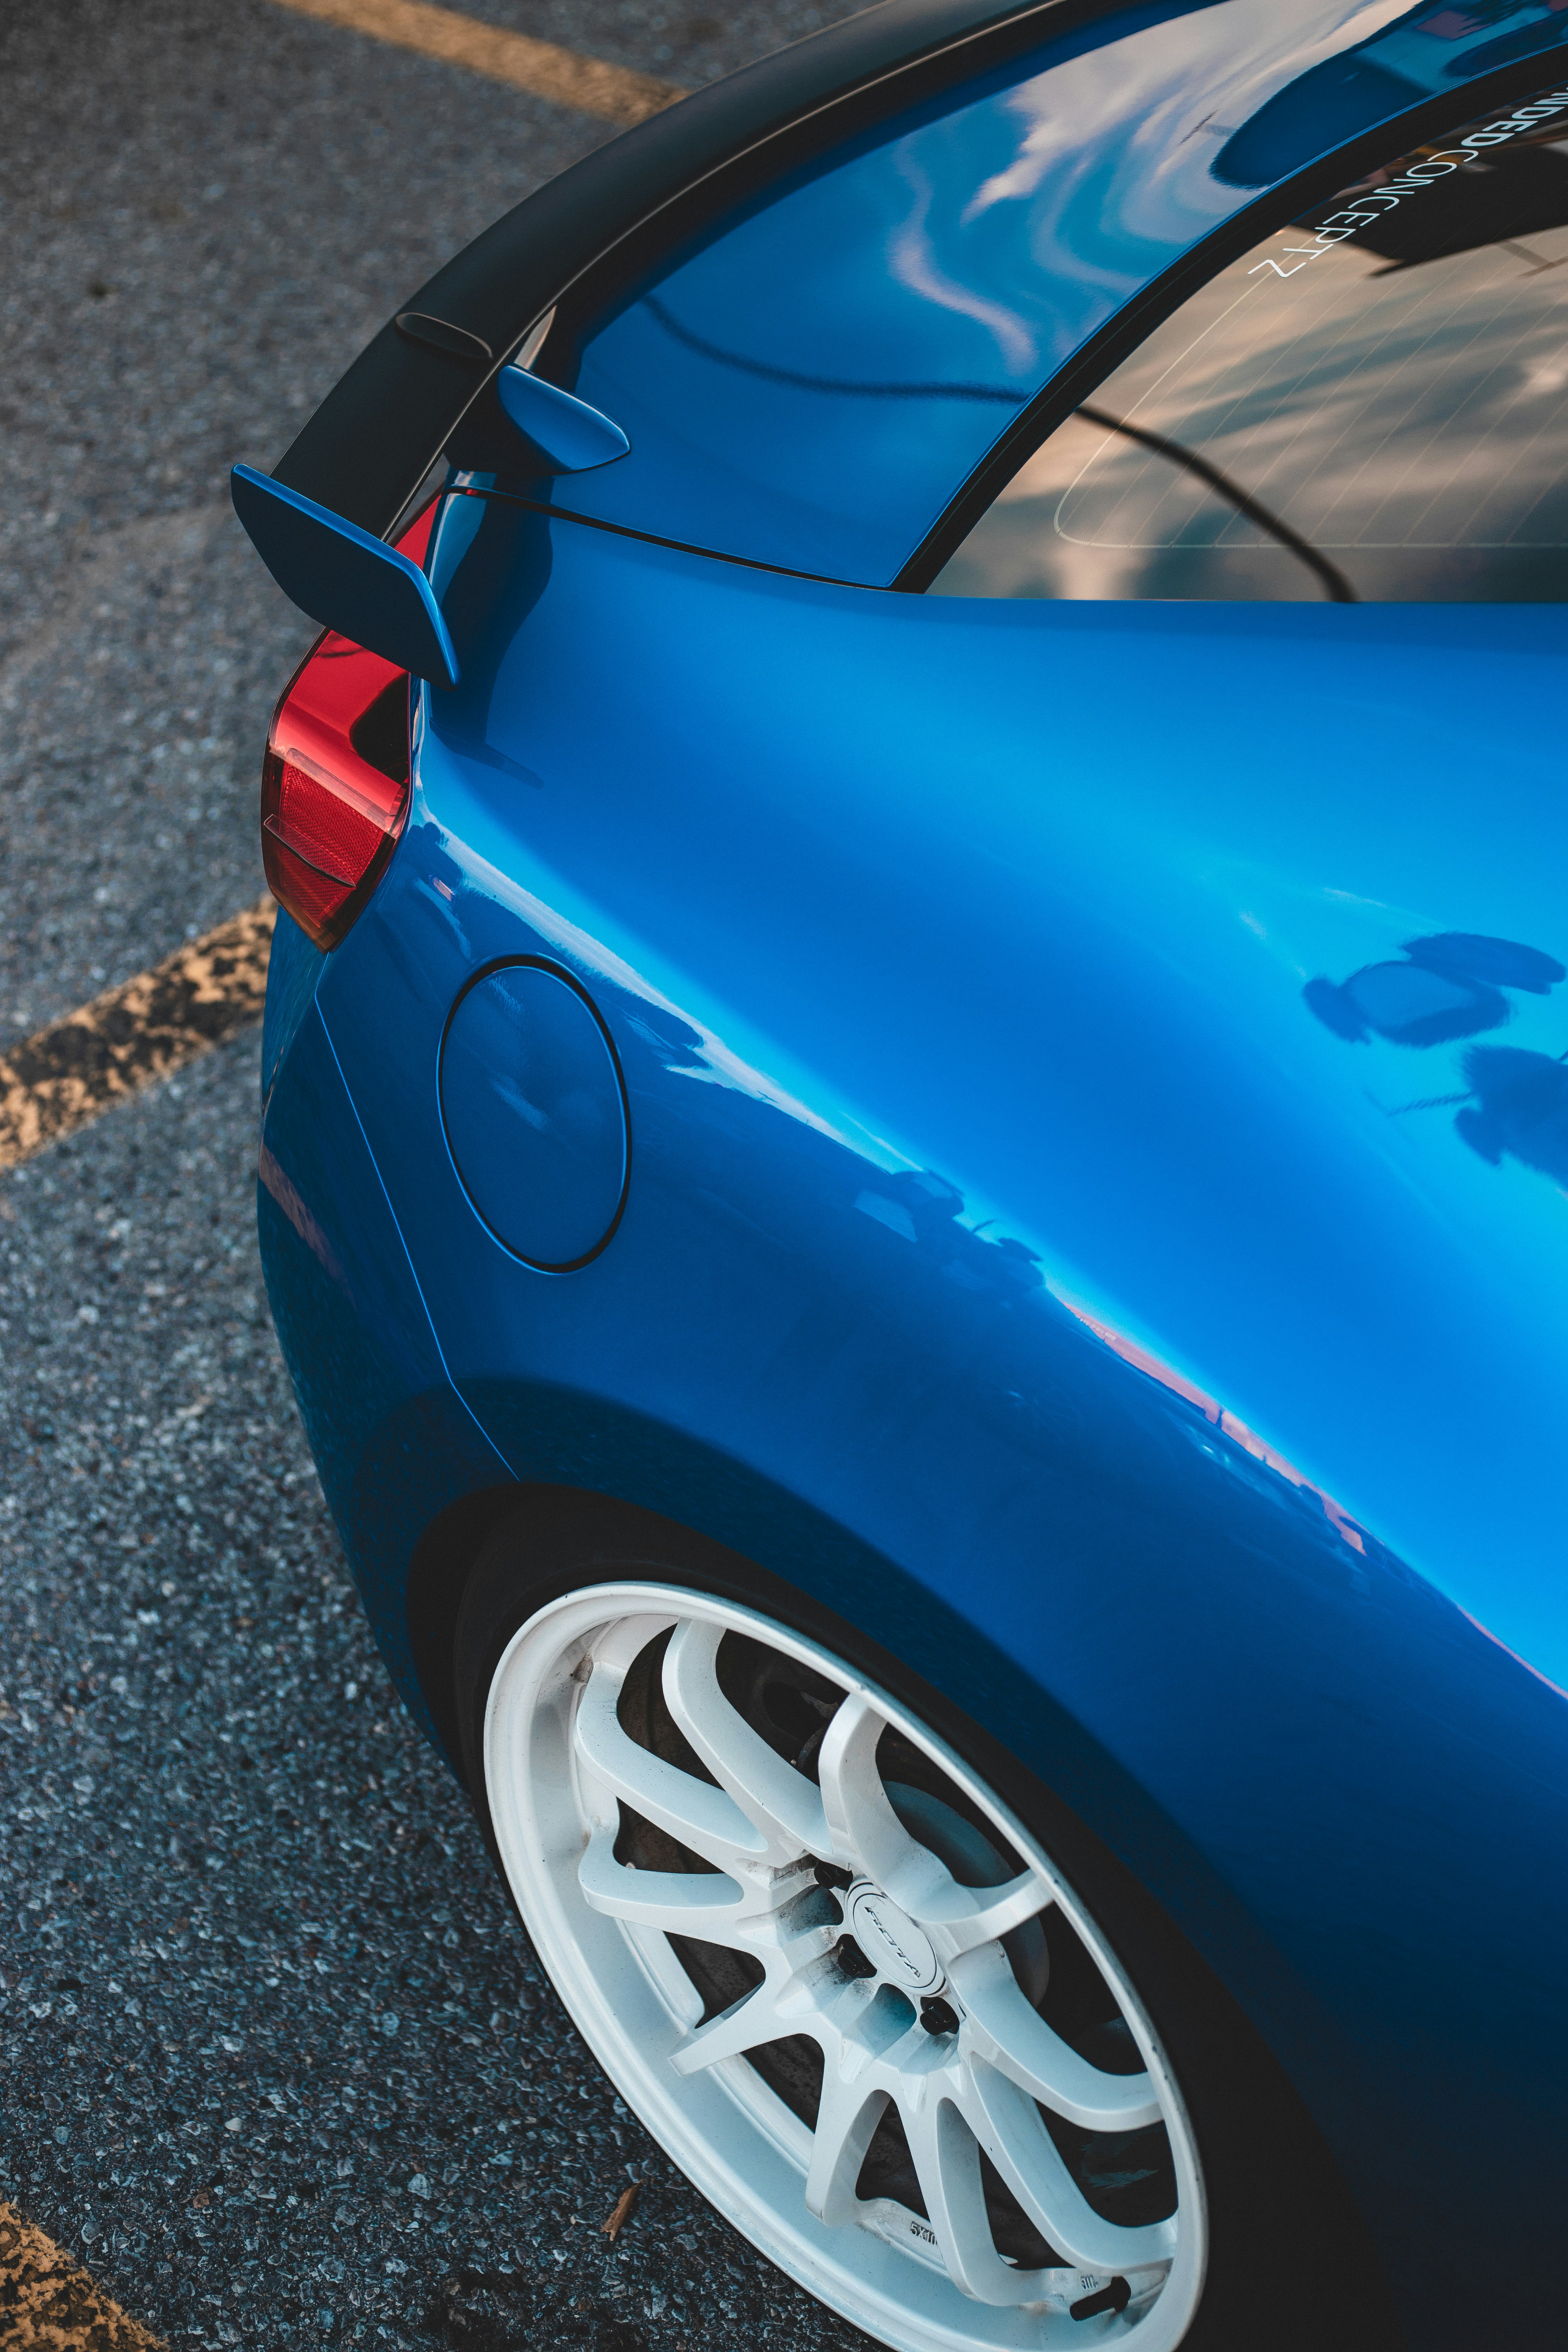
837 1980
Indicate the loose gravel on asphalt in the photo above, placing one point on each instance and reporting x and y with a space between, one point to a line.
275 2059
206 209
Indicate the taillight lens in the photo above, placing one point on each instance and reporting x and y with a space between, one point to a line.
334 781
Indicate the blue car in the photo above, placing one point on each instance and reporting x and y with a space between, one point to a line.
914 1137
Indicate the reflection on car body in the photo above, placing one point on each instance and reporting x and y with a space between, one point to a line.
1448 987
969 1484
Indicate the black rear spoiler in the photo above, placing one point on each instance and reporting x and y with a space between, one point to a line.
374 438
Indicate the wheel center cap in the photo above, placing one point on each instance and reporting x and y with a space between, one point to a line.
897 1949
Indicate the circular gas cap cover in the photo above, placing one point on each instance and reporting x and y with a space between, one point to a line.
535 1114
897 1949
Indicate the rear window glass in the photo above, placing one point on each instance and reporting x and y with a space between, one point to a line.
1371 404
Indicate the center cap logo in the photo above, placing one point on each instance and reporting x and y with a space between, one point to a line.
897 1949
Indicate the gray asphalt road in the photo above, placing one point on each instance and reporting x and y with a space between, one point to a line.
206 208
273 2058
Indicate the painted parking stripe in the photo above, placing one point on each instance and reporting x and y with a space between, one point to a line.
146 1029
64 1076
592 86
49 2303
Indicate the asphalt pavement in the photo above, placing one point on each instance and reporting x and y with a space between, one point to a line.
274 2059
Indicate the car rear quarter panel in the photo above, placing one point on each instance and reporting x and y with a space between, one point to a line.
1012 1261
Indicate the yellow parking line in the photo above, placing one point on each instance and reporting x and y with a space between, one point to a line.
153 1025
145 1029
48 2303
589 84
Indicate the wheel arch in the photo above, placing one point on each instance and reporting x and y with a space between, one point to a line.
467 1567
967 1687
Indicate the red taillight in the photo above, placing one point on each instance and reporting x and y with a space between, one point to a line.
334 781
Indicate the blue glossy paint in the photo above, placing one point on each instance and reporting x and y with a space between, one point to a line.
535 1115
1426 52
393 1441
293 969
558 433
1014 1259
1068 862
1095 1218
343 578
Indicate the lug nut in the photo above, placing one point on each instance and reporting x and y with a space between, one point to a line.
832 1874
938 2016
851 1959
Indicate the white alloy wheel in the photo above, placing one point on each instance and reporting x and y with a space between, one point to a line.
838 1981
